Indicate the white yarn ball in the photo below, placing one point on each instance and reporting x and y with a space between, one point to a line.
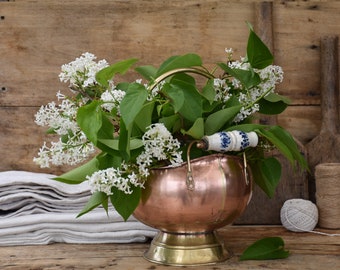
299 215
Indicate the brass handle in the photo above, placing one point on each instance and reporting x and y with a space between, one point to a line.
190 180
195 70
245 168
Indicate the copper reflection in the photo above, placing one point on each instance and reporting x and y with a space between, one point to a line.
220 194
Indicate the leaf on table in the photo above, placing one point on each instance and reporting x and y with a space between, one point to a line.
268 248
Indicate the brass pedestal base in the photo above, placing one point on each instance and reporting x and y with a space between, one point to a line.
187 249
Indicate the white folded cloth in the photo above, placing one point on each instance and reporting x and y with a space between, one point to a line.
34 209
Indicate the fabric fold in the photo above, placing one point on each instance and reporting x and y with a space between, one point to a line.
36 210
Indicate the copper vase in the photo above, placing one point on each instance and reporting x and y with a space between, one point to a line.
187 204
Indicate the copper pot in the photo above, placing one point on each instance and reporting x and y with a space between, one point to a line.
188 203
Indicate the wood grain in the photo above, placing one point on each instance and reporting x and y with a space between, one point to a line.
325 146
308 251
38 36
292 184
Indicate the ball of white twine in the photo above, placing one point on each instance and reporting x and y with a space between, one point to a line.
299 215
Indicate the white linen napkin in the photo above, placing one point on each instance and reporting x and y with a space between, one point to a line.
34 209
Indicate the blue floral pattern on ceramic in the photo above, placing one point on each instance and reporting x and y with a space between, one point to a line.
245 140
235 140
225 140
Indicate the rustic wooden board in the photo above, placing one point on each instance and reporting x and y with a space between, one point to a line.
299 25
20 140
325 146
308 251
293 184
303 122
37 37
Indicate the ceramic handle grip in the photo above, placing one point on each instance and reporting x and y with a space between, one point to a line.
230 141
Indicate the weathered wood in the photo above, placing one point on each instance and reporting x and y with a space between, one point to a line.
325 146
264 28
308 251
36 34
299 25
37 37
21 140
264 23
264 210
303 122
292 184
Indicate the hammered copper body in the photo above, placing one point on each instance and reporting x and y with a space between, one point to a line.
221 191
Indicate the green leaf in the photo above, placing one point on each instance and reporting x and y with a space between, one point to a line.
246 127
176 95
51 131
167 109
268 248
97 198
89 119
258 53
124 86
288 139
217 120
197 129
187 99
209 92
114 143
125 204
182 61
267 174
107 128
106 74
132 103
148 72
280 138
106 132
106 160
124 140
172 122
271 135
273 104
273 97
271 108
285 143
248 78
144 118
78 175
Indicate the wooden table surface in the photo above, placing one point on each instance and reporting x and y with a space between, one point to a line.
308 251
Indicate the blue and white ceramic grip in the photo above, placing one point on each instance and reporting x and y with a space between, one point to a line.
226 141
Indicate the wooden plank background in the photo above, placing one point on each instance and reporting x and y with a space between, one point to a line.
38 36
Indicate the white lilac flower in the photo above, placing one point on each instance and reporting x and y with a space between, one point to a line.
238 65
154 92
112 99
270 76
229 52
76 149
221 90
244 113
159 144
81 72
121 178
61 117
